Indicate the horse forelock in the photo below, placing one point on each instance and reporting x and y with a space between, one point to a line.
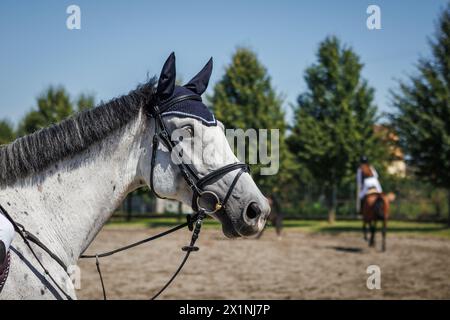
34 153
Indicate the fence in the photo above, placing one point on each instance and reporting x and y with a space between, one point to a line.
405 207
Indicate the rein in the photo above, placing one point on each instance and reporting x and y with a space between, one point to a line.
194 222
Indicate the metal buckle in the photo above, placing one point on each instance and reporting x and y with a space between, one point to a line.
217 206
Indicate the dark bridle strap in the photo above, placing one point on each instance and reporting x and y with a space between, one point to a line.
220 172
166 106
189 221
188 249
233 184
162 134
194 224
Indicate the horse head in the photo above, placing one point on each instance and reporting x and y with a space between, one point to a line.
192 161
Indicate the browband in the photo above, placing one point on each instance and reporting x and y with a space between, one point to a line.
166 106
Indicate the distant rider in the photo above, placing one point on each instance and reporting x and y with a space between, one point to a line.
366 179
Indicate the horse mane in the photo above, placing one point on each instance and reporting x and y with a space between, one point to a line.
34 153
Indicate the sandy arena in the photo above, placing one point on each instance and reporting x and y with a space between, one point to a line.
299 266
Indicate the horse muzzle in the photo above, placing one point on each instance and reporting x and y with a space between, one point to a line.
253 218
250 221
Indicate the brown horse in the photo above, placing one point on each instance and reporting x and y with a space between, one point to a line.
376 208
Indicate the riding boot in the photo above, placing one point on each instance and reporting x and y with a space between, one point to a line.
2 253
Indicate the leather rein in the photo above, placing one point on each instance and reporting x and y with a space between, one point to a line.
193 222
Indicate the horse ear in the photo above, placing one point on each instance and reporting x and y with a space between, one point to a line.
199 83
166 82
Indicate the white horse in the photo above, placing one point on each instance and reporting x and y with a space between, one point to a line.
64 182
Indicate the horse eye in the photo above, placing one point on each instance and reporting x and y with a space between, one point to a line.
190 130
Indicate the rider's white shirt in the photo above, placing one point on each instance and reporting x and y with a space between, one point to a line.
370 182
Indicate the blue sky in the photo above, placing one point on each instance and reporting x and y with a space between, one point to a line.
121 41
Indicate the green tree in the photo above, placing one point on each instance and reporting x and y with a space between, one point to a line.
423 111
53 106
245 99
7 133
334 119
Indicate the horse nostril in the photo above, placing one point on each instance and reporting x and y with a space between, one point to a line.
253 211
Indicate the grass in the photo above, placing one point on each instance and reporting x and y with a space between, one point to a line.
315 226
158 222
394 227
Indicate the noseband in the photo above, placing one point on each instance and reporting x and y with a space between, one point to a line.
196 184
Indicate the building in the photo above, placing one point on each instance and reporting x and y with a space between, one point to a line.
396 164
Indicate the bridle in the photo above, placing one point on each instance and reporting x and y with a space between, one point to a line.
194 181
190 175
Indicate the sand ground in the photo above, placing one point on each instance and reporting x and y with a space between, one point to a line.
299 266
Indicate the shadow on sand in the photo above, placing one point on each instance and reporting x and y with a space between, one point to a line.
347 249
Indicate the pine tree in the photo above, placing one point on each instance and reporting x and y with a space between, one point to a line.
334 120
423 111
245 99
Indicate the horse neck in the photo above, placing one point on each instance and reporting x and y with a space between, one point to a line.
67 205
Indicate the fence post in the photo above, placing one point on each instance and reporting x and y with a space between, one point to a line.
129 206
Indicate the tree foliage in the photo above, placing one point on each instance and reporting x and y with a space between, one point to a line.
52 106
245 99
7 133
423 110
84 102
